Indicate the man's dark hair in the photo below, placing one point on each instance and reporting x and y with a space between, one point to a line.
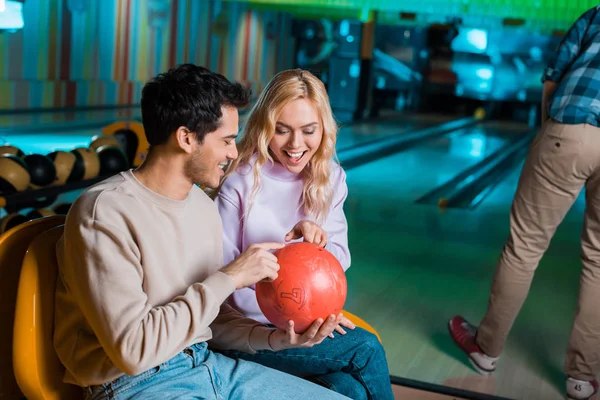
190 96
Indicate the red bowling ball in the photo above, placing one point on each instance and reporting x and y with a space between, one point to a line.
311 285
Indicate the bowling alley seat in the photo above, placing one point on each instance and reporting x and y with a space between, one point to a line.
361 323
38 371
13 246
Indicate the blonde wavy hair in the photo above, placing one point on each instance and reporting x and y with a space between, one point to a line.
285 87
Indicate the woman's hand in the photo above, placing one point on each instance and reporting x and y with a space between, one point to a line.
315 334
310 231
344 322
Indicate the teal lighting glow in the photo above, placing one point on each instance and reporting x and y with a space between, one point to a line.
11 15
477 38
476 147
484 73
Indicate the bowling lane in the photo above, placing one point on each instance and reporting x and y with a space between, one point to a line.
64 120
415 266
47 142
44 132
500 196
405 176
390 125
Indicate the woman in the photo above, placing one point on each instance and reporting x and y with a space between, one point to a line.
286 186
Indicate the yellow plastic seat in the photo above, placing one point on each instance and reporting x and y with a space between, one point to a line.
361 323
13 245
37 368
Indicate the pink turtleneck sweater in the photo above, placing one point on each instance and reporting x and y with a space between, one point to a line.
275 210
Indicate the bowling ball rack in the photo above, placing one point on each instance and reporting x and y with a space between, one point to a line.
39 198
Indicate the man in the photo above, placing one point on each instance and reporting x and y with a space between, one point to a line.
564 157
142 284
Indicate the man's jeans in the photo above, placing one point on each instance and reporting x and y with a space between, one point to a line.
353 364
199 373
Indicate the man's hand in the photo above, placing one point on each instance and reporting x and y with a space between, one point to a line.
547 91
254 265
315 334
310 231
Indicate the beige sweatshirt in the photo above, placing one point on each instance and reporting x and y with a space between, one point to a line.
139 281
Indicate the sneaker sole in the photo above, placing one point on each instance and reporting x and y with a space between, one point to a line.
478 368
587 398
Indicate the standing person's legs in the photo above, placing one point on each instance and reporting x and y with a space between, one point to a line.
551 180
199 373
353 364
583 353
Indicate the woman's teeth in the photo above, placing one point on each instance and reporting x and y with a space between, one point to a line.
294 155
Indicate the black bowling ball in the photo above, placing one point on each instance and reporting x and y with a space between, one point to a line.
62 208
41 169
112 160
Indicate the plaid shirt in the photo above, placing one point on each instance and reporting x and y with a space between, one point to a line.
576 68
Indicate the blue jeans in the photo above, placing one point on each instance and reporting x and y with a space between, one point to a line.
199 373
353 364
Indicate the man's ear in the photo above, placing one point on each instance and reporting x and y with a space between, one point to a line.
185 139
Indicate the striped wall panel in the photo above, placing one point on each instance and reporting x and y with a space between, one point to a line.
100 52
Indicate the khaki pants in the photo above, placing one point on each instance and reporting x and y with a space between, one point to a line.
562 159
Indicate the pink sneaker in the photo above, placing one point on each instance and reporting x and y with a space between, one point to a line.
463 334
581 390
